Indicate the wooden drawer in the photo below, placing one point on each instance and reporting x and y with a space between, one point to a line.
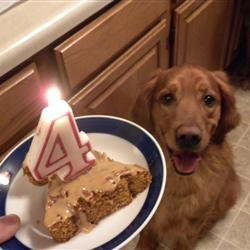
95 46
20 104
114 91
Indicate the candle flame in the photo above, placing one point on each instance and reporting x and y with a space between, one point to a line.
53 95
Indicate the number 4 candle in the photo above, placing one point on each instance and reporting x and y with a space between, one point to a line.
57 146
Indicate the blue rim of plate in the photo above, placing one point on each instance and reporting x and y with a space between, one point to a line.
138 136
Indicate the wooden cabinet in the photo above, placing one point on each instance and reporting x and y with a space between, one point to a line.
114 91
120 97
100 66
202 32
20 104
97 45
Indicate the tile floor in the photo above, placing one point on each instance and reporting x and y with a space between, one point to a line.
233 232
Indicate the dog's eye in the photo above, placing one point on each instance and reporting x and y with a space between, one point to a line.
209 100
167 99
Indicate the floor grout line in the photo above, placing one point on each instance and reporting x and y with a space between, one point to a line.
242 136
222 237
227 241
220 243
241 146
243 176
245 201
232 222
227 230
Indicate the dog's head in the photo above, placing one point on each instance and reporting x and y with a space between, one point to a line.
187 108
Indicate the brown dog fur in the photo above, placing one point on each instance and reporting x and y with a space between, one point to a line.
191 203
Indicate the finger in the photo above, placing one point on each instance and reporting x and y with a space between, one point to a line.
8 226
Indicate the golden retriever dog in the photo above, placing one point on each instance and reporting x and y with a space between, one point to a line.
190 110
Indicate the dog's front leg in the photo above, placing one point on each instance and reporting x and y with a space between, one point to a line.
148 241
183 244
150 236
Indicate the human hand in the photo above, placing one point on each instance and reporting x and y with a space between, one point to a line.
9 225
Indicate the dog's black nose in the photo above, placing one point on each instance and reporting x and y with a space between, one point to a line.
188 138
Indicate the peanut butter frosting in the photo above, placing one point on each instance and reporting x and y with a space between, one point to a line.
63 196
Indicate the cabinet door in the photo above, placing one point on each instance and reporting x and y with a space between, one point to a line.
114 91
235 33
20 104
202 32
91 49
119 99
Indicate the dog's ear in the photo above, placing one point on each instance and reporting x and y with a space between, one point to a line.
230 118
144 103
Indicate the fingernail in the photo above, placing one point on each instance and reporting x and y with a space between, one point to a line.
10 219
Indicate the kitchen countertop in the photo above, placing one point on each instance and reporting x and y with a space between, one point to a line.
32 25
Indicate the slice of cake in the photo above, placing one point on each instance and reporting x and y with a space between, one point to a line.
80 204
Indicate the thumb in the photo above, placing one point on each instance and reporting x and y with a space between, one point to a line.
8 226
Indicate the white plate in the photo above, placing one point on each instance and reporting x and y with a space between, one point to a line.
121 140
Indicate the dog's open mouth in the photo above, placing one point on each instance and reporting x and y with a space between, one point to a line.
185 162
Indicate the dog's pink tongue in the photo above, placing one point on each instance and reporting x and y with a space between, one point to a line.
186 163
